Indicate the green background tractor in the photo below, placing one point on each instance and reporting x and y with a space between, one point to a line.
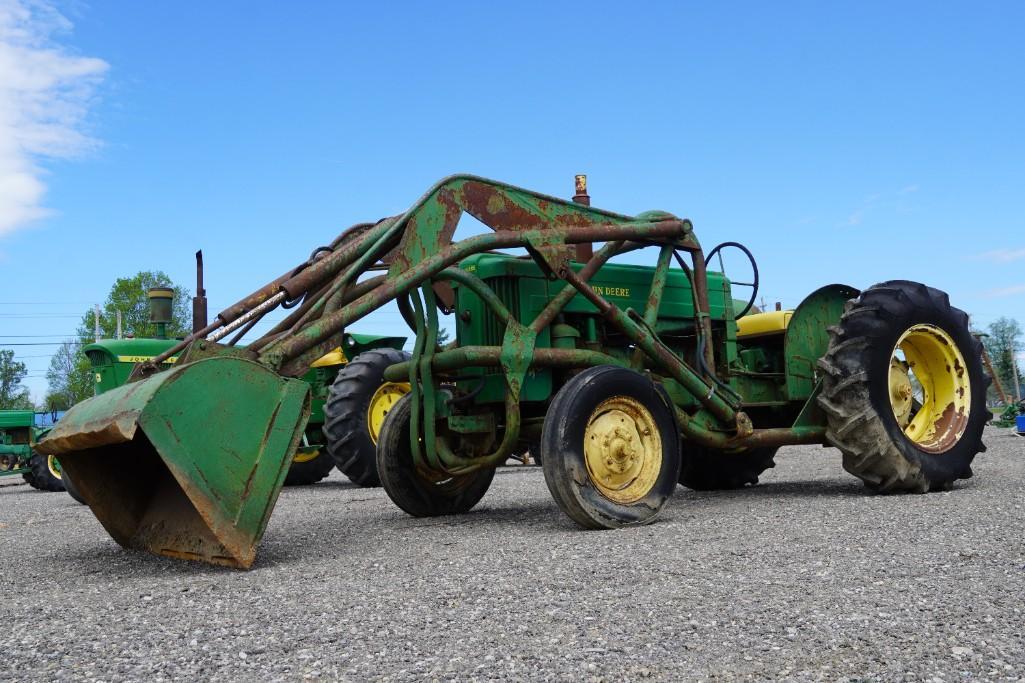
340 390
20 431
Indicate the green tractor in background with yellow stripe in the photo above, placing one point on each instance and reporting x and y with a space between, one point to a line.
20 430
350 398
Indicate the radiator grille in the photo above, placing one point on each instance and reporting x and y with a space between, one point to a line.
493 330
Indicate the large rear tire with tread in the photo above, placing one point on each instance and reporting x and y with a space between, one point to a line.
898 335
706 469
412 490
43 473
610 448
351 437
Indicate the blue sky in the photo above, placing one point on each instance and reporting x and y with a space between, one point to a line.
842 142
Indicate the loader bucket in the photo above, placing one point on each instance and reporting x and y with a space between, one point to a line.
189 462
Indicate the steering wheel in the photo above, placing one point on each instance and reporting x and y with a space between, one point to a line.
717 251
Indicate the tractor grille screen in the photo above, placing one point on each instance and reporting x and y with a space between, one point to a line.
493 330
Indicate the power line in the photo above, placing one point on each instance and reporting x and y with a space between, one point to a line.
38 316
33 344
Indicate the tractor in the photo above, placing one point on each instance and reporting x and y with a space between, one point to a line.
339 389
20 431
629 379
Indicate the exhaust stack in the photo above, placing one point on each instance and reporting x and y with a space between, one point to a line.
584 251
199 301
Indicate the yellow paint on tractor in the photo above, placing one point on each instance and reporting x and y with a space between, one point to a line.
622 449
386 396
932 357
51 464
336 357
306 454
761 324
143 359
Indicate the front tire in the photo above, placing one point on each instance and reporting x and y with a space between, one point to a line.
420 494
306 470
610 448
904 390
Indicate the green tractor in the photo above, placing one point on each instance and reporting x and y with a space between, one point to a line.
20 431
339 389
632 379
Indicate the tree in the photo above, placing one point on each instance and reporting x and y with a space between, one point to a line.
1003 345
13 396
70 376
128 295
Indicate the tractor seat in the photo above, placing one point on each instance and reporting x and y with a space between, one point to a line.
763 324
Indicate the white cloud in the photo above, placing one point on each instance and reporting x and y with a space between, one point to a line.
45 93
1001 255
1005 291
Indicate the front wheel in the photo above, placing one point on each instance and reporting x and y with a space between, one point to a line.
422 494
309 466
903 389
610 448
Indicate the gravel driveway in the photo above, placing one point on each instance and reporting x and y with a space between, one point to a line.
803 577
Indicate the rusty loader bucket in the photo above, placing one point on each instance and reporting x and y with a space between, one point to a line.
189 462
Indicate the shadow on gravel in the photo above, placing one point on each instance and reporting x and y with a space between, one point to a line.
814 488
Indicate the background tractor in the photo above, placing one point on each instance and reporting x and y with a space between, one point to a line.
20 431
340 391
633 379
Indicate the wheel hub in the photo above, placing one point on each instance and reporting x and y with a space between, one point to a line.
622 449
933 359
53 466
381 403
901 392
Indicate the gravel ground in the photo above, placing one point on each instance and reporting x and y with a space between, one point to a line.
802 577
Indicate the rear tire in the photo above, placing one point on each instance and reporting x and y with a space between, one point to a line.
706 469
889 440
413 491
351 438
610 448
43 474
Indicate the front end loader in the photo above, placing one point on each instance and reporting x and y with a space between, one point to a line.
628 379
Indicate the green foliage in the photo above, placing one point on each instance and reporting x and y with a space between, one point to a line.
1003 344
70 375
128 295
13 396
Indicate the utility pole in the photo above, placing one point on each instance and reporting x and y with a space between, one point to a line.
1014 371
1001 394
119 324
96 320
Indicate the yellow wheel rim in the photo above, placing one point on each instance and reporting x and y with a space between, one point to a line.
622 449
306 455
381 403
51 464
927 368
